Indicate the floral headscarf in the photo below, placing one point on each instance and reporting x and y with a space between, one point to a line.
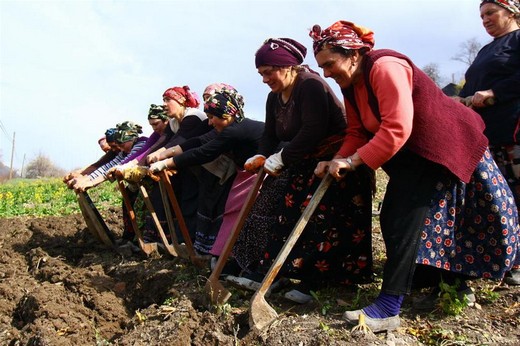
225 103
184 96
510 5
157 112
280 52
127 131
214 88
110 134
342 34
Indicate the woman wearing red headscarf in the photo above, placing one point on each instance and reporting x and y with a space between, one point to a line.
186 121
447 211
303 115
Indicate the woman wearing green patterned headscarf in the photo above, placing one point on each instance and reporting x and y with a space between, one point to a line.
126 134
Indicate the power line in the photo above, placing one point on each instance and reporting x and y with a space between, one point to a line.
5 131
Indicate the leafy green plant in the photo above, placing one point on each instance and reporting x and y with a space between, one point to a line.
324 302
450 301
42 197
488 295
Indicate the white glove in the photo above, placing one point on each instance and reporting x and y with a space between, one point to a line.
274 164
158 166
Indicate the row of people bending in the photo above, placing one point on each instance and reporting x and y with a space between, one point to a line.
448 213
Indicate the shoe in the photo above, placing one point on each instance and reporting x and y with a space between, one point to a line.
253 281
431 301
213 263
126 244
298 297
375 324
243 282
512 277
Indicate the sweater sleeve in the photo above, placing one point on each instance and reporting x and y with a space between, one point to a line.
392 82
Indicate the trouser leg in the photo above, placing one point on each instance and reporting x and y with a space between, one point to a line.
405 206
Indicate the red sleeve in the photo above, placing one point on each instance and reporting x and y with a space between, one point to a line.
392 82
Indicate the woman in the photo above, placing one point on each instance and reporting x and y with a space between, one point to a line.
304 115
495 75
186 121
158 120
447 209
237 138
109 138
128 142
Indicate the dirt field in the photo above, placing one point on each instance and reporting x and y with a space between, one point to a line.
60 287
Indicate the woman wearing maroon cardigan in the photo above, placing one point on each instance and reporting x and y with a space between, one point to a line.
447 211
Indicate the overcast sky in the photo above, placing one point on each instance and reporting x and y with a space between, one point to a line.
71 69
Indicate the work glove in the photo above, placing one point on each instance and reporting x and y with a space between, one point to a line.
274 164
158 166
253 164
135 174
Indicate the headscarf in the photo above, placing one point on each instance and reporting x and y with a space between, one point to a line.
184 96
346 35
157 112
110 134
280 52
225 103
512 6
214 88
127 131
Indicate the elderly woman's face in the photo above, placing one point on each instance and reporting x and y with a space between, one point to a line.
338 67
497 20
277 78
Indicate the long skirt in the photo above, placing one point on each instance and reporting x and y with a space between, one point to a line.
472 229
236 199
212 200
335 246
507 158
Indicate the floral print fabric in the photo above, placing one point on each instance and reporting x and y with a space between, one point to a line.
472 229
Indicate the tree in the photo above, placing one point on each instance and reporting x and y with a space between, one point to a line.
41 167
432 70
469 50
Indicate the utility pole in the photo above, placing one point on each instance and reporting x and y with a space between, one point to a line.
23 164
12 156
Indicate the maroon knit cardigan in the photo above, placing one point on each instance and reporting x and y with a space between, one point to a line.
444 131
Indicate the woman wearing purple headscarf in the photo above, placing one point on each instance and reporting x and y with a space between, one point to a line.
447 212
303 115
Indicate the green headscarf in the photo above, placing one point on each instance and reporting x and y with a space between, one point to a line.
127 131
157 112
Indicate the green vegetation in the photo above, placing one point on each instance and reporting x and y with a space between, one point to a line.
43 197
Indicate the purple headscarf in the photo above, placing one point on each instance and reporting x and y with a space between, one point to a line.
280 52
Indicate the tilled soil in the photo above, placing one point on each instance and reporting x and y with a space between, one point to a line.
59 286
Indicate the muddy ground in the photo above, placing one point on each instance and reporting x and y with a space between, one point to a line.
58 286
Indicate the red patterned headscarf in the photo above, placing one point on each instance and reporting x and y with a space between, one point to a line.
510 5
184 96
342 34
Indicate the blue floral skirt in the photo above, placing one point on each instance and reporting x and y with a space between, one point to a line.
472 229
